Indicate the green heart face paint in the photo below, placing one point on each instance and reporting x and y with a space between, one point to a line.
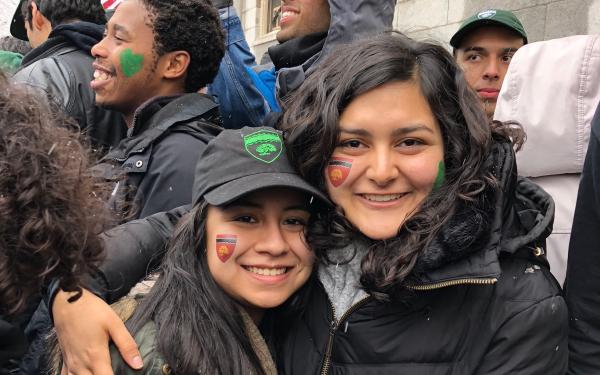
131 63
441 176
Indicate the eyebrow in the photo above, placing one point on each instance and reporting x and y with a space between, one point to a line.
481 49
248 204
397 132
121 29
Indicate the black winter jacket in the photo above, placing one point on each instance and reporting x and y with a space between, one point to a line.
582 286
62 69
159 155
482 301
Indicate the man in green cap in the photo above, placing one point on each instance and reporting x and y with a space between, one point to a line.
484 46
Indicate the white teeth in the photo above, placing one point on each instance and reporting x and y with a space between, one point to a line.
382 197
100 75
287 13
267 271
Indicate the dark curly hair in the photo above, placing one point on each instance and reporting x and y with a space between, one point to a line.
193 26
310 121
50 209
61 11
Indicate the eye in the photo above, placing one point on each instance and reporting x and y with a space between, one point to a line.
245 219
411 143
351 143
507 58
296 221
474 57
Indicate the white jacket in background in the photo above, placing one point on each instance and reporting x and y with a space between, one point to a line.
552 88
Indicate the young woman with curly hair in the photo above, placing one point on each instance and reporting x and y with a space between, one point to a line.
50 210
433 260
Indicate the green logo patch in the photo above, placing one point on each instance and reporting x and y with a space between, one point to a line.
264 145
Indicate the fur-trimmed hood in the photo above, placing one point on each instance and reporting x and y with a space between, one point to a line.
516 215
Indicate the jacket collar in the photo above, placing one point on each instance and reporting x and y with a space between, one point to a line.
516 214
153 118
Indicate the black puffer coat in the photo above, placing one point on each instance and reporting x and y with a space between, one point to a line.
484 302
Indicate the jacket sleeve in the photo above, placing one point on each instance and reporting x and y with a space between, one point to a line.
169 180
582 286
533 341
240 102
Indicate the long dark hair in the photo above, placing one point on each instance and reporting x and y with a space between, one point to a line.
199 327
310 122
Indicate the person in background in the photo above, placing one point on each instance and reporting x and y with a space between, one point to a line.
149 69
11 53
483 47
556 114
62 33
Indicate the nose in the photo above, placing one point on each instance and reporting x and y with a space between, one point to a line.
99 50
491 71
382 168
273 242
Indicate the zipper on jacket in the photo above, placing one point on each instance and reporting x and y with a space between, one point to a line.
333 328
443 284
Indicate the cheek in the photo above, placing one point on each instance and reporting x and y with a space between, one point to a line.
337 171
225 246
131 63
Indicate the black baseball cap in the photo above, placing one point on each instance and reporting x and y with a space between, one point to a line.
17 26
489 17
240 161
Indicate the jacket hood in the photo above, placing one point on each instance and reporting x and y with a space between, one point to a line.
84 35
78 35
555 108
350 20
515 215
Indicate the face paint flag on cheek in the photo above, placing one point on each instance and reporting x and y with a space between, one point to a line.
225 246
338 170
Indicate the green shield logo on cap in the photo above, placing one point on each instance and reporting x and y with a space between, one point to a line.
264 145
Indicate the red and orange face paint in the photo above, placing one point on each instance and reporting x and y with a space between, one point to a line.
338 170
225 246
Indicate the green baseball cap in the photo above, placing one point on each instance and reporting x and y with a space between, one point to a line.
490 17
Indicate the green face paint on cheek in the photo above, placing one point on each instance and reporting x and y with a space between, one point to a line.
441 176
131 63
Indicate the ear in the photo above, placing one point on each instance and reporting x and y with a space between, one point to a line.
176 64
38 21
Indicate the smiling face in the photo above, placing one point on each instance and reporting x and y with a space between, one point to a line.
303 17
485 56
388 158
256 248
127 71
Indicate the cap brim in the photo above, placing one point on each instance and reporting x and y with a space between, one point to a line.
17 25
460 35
233 190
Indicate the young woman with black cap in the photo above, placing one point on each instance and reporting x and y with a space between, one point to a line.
239 252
